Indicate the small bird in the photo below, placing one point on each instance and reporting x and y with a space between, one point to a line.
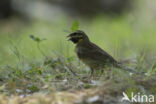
90 54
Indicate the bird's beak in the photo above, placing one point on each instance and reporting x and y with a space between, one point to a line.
69 37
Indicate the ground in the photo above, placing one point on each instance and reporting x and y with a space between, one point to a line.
41 72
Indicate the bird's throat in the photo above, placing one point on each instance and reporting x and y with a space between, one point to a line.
75 40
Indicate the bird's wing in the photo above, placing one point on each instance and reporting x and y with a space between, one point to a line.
99 54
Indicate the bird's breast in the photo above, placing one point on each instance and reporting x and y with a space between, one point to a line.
81 53
86 58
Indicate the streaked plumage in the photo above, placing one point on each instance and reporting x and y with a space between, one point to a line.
91 54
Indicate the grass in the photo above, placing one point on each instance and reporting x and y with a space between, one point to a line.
41 71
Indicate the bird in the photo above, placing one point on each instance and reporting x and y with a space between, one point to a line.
91 54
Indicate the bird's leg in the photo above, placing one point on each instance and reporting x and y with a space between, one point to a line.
91 74
108 73
101 73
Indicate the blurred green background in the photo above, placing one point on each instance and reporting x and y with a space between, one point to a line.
124 28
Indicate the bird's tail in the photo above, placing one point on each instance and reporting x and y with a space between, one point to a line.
121 66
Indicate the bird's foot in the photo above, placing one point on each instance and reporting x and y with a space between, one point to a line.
86 79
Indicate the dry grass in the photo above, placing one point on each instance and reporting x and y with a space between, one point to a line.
108 93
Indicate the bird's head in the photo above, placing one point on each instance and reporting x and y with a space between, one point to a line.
78 37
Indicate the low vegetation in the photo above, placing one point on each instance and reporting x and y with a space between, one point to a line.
57 78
